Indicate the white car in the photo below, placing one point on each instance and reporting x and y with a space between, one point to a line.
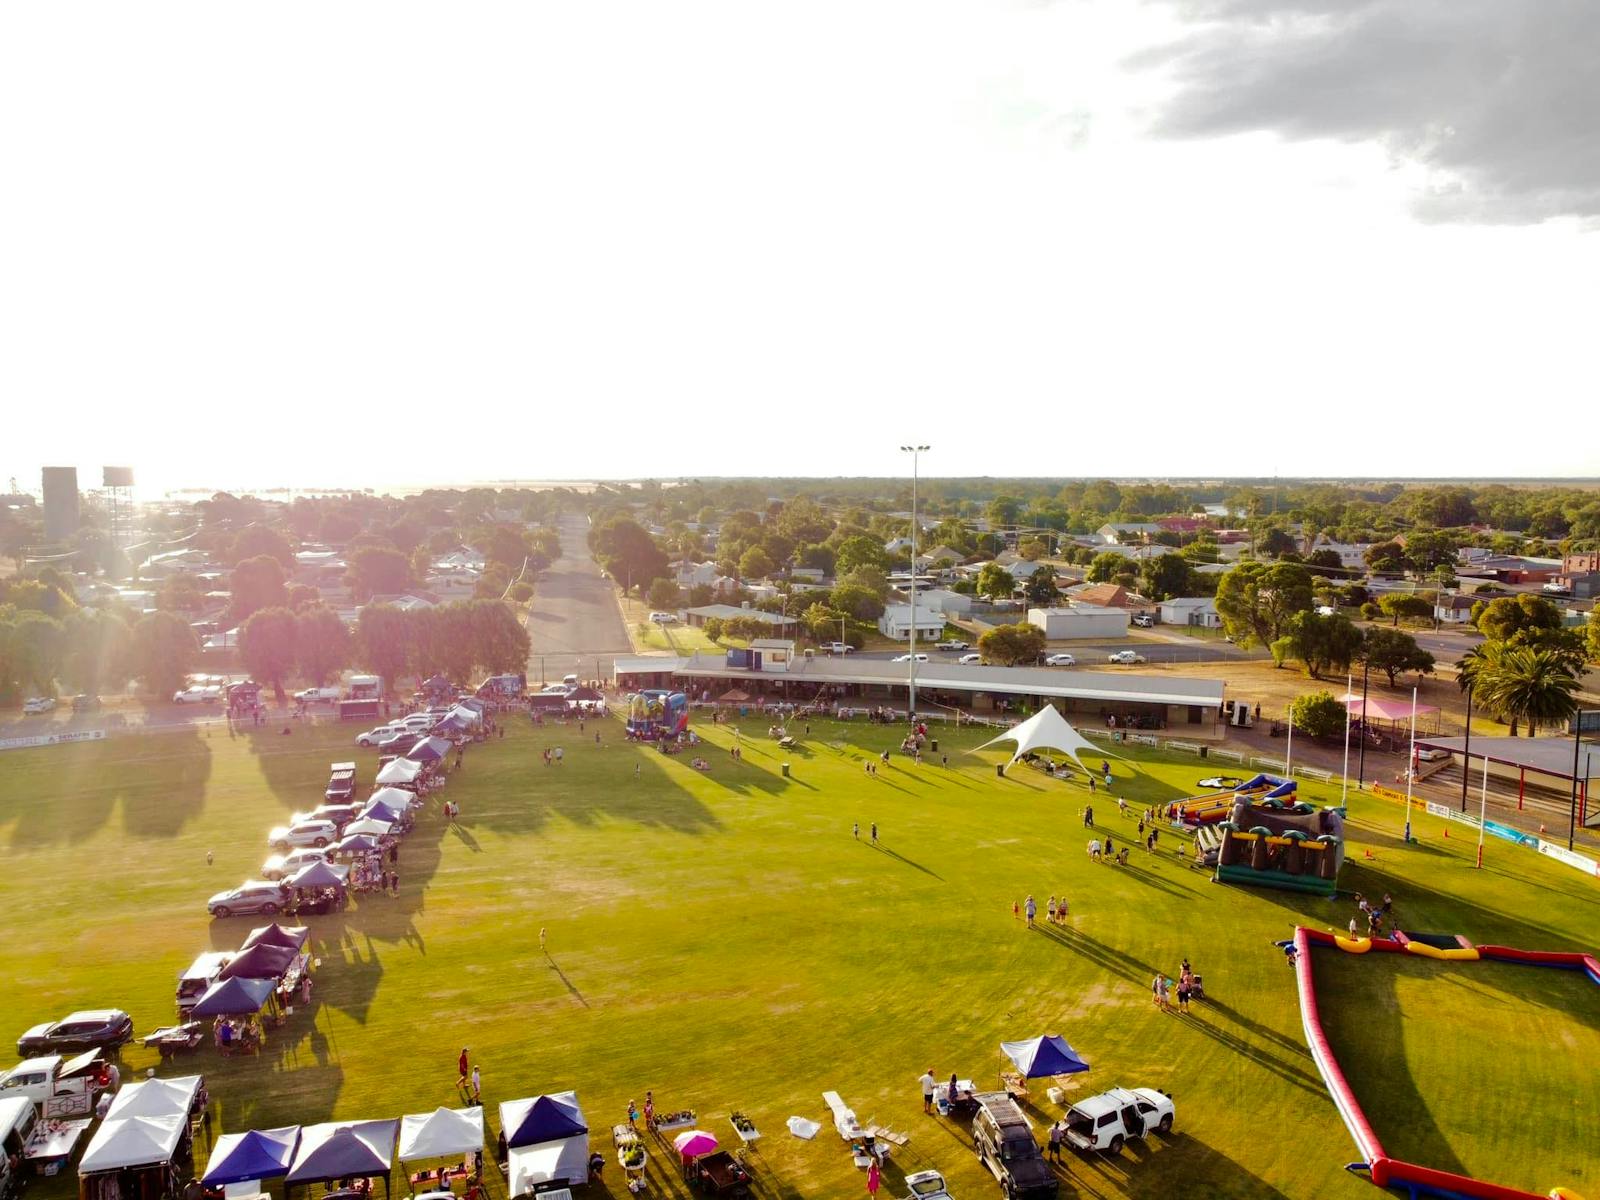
319 694
1060 660
663 618
927 1185
1144 620
281 866
1326 610
38 704
1106 1121
373 737
970 658
841 648
198 695
1127 657
303 833
908 657
949 646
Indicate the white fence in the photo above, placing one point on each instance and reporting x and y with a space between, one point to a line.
1270 764
1233 756
1315 773
1186 747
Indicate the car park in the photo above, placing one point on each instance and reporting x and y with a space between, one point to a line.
953 646
197 980
971 659
252 896
303 833
905 658
282 866
95 1028
1126 657
375 737
1004 1141
1107 1121
927 1185
1060 660
200 694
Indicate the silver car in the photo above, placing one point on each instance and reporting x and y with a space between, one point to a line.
252 896
303 833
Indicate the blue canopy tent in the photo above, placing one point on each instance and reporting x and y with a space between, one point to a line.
1042 1057
343 1150
542 1119
235 997
431 750
292 936
259 1154
261 961
380 810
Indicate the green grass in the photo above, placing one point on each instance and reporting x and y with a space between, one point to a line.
722 939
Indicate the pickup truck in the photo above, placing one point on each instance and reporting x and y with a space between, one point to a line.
1126 657
841 648
45 1078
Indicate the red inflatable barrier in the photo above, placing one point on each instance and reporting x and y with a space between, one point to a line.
1355 1120
1393 1172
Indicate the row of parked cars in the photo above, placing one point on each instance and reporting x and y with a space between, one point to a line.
392 737
1003 1136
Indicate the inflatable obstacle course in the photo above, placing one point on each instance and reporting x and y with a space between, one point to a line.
1270 840
655 713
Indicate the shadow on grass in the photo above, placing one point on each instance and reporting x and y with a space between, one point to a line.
881 848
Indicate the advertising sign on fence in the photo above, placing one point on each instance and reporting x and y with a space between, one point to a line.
52 739
1561 854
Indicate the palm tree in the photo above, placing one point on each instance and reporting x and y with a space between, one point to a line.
1526 684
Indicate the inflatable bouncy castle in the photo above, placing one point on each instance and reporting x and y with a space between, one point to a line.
1275 842
655 713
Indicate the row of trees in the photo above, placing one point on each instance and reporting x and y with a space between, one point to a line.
455 640
90 651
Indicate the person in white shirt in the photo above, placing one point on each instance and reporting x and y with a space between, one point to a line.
928 1083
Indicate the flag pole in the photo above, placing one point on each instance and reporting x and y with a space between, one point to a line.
1288 754
1411 763
1483 809
1344 771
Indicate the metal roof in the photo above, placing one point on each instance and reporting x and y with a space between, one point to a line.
1546 756
959 677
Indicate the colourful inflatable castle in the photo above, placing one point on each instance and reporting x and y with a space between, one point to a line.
655 713
1273 841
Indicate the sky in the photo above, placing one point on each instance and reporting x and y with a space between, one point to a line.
375 244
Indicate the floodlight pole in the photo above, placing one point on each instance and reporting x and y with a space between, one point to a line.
1411 763
1288 750
1577 745
1466 753
914 451
1344 771
1483 807
1361 762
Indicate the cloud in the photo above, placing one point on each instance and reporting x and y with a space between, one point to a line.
1495 98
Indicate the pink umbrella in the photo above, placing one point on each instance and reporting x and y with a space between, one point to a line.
694 1142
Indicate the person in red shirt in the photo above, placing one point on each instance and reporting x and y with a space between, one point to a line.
463 1067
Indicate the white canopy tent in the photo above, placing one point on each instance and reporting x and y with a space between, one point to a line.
1047 729
565 1160
466 714
155 1098
399 770
396 798
133 1142
444 1131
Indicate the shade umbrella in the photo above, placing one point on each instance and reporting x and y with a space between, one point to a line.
233 998
261 961
368 826
1041 1057
259 1154
292 936
692 1143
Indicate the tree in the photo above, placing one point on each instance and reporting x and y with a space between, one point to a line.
1527 684
1503 619
1592 634
860 551
257 583
857 602
1277 542
1040 587
1317 715
1396 605
1105 566
1003 510
700 595
1391 651
1326 560
1323 643
1431 549
755 563
255 540
301 596
162 650
377 571
38 649
1009 645
97 646
1257 601
664 594
1166 577
500 643
1387 558
384 642
267 646
322 643
181 593
995 582
713 628
627 552
1032 549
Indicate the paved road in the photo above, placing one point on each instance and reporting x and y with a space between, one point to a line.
574 623
1092 654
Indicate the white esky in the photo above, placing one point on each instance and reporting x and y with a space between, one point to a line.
377 244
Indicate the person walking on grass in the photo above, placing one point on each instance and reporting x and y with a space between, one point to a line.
463 1069
928 1083
874 833
1031 909
477 1086
1055 1141
1050 911
855 830
874 1178
542 950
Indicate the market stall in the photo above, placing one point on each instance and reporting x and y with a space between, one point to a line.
235 1006
548 1141
430 750
251 1157
344 1150
1038 1058
261 961
320 887
399 771
184 1096
134 1158
293 936
452 1133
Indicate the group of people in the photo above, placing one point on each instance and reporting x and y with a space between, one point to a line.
1373 916
1055 911
1188 986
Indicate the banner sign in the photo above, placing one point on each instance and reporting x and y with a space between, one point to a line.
1388 793
1562 855
52 739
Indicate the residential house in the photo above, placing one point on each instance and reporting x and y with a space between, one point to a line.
1080 621
896 622
1200 611
952 604
1454 609
697 617
1126 533
407 601
1106 595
